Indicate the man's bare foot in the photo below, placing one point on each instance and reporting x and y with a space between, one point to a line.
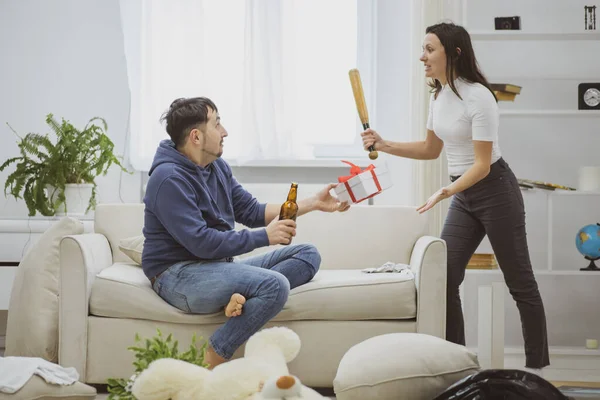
236 303
212 358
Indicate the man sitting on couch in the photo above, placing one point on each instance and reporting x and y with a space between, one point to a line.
192 202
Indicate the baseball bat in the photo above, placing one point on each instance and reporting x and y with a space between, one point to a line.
361 105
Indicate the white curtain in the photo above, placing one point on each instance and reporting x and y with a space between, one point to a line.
269 66
429 175
167 52
263 105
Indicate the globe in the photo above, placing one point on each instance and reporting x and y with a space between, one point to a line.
588 244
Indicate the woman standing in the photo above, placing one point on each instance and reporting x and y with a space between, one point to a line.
486 199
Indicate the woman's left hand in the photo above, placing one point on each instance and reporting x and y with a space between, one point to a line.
438 196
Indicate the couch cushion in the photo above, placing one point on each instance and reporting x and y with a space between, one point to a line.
37 388
402 366
123 291
133 247
32 326
118 221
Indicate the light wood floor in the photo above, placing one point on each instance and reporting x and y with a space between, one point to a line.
105 396
555 383
582 384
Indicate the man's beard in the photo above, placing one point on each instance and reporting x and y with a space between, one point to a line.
210 153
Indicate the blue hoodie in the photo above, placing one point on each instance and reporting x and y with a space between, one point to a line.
191 212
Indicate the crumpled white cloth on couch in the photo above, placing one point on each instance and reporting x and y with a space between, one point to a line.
16 371
403 269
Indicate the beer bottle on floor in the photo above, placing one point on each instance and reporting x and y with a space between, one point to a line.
289 209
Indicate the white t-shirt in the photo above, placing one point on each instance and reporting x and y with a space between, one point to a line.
458 122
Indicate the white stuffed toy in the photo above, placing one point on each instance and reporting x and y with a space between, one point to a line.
261 374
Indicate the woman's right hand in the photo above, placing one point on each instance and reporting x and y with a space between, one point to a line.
370 138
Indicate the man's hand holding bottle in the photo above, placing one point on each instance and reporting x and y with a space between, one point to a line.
281 231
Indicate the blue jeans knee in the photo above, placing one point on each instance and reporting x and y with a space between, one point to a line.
311 256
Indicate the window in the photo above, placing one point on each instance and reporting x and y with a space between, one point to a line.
277 71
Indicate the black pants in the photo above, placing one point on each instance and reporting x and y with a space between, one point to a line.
494 206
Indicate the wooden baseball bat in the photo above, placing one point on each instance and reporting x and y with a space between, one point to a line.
361 105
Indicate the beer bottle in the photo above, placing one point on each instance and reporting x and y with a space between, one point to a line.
289 209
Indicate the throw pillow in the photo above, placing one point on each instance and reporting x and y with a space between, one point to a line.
132 247
32 325
408 366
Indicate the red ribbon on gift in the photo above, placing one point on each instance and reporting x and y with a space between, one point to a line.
355 170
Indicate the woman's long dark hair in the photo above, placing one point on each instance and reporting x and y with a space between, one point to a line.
458 65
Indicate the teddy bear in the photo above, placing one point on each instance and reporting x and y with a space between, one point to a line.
260 375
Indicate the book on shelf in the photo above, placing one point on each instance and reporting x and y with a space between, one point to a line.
542 185
506 87
482 261
505 96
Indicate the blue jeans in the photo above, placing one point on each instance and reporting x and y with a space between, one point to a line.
265 281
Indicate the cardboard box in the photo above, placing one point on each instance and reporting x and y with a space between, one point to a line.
363 184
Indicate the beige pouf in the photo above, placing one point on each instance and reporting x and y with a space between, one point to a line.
36 388
407 366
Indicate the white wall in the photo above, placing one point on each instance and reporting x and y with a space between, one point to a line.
548 148
63 57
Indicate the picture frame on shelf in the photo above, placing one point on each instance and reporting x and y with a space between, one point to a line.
507 23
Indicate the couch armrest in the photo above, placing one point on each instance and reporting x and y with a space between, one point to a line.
82 257
428 263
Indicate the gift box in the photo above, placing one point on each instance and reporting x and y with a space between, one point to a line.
362 184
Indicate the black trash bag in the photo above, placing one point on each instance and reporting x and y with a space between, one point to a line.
502 384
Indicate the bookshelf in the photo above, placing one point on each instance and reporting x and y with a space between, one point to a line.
523 35
552 113
544 136
544 117
542 272
549 241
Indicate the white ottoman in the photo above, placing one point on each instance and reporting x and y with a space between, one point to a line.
407 366
37 389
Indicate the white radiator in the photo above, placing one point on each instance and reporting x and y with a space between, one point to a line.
17 235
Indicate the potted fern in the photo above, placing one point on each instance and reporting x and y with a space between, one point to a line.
58 178
149 350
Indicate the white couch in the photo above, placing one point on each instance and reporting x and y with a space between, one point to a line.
105 298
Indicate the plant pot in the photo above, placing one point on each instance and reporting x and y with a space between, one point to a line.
77 199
